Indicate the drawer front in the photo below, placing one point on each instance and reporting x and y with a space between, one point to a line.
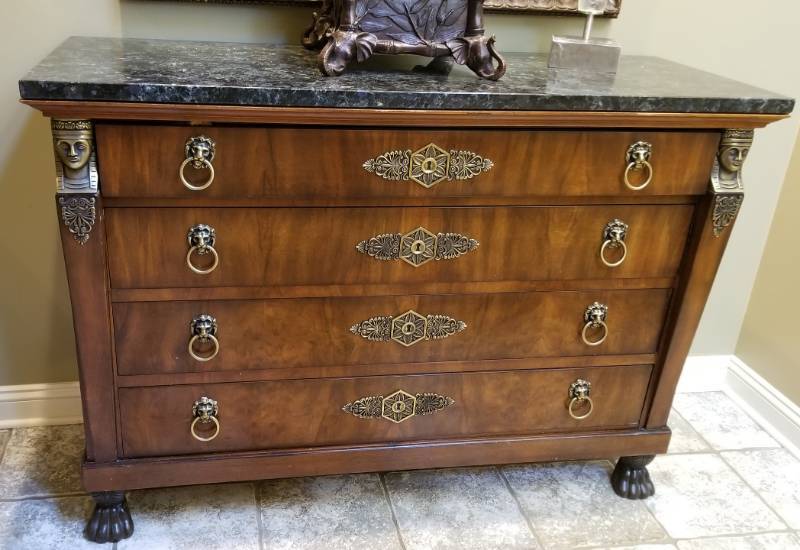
298 413
312 163
320 246
154 337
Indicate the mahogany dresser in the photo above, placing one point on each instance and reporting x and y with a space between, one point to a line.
275 274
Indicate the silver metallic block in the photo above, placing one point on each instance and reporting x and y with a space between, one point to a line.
595 54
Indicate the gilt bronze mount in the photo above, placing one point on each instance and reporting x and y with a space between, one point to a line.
354 30
726 177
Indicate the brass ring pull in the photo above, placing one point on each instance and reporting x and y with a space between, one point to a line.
575 400
209 418
638 166
203 358
593 324
605 246
204 163
202 250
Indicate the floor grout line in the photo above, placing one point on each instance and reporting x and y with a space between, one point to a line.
388 498
259 520
703 439
521 509
45 497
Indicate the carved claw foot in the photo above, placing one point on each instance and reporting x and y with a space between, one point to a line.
343 46
111 520
479 54
631 478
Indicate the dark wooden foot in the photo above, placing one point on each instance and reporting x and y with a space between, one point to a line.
631 478
111 520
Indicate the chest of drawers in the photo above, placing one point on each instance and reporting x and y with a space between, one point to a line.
287 290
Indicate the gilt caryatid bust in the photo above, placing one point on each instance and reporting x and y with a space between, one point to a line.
73 142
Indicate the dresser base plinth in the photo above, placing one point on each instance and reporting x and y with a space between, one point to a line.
143 473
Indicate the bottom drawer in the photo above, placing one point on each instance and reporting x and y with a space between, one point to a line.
351 411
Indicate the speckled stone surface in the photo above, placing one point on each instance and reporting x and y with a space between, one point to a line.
349 511
775 474
699 495
684 438
42 461
562 499
457 509
161 71
722 423
187 518
46 523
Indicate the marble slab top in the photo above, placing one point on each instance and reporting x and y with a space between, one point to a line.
218 73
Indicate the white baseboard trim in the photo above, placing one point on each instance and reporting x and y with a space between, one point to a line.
779 416
40 405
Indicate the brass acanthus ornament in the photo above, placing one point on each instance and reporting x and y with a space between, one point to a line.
398 406
417 247
428 166
726 177
408 329
76 163
79 215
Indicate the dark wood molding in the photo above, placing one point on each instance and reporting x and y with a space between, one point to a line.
232 114
195 470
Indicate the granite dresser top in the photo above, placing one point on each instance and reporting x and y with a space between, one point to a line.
164 71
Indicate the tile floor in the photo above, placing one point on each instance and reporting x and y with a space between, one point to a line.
725 485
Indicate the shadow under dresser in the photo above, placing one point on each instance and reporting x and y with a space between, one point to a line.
382 271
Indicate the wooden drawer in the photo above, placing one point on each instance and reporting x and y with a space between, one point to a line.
299 413
313 163
317 246
153 337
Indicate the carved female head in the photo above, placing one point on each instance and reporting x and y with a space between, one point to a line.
72 140
733 149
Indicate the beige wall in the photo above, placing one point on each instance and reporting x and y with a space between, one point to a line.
35 331
769 337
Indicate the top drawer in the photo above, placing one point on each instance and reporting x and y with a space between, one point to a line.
306 163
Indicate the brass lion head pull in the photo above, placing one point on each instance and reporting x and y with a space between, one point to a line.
200 151
201 239
205 411
614 235
579 397
204 331
595 317
638 158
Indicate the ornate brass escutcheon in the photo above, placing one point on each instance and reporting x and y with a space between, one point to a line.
408 329
578 396
428 166
417 247
205 411
638 158
614 235
398 406
203 329
200 151
595 317
201 239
